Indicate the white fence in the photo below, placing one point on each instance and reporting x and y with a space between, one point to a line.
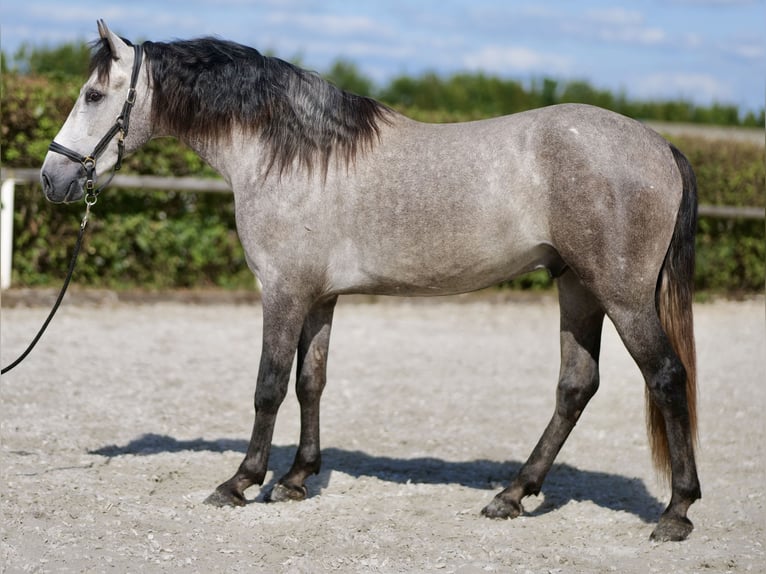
12 176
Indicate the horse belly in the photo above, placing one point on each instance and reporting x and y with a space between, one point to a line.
436 265
436 229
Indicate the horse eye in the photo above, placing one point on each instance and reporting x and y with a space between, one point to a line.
93 96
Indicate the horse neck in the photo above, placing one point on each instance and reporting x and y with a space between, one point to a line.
230 156
226 154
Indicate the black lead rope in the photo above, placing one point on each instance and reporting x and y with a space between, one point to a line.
60 298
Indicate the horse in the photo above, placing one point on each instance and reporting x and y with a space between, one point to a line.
337 193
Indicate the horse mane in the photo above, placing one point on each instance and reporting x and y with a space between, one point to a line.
205 88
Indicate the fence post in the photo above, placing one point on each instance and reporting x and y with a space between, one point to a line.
6 232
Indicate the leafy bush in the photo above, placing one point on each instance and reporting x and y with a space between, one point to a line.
160 239
34 109
731 253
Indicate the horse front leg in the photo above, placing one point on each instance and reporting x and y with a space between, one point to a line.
581 322
311 376
282 320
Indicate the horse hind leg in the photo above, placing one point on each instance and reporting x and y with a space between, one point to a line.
581 323
672 435
311 376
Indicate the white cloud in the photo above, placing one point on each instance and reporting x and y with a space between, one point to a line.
747 50
328 24
515 59
724 3
79 15
695 87
618 26
615 16
692 41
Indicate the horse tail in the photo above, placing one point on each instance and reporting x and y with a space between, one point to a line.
675 289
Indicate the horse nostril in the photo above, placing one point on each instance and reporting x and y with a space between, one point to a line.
46 183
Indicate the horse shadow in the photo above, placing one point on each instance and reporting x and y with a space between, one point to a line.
563 484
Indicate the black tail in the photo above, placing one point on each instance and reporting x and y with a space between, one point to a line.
675 291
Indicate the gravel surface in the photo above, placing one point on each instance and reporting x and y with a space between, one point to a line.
127 416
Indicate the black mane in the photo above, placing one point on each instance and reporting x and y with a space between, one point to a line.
206 88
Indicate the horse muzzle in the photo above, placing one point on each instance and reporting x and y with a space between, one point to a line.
62 188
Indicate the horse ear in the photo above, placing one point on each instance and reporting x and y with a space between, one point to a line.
116 44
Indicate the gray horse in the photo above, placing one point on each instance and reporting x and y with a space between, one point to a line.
336 193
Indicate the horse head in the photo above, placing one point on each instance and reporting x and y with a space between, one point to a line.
95 135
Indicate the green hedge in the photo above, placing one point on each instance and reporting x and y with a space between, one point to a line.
731 253
159 239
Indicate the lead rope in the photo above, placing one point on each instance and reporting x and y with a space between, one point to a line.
90 200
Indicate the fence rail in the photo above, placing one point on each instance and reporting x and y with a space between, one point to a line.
219 186
133 181
10 176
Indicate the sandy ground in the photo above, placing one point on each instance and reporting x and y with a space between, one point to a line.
126 417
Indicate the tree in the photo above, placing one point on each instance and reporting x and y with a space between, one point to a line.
346 76
65 61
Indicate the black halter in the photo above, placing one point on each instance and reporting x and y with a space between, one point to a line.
120 127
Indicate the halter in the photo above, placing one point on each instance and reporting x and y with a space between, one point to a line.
120 127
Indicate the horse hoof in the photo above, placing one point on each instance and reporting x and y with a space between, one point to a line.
672 529
284 492
222 498
501 508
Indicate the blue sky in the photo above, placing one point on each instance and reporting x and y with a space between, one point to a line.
702 50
